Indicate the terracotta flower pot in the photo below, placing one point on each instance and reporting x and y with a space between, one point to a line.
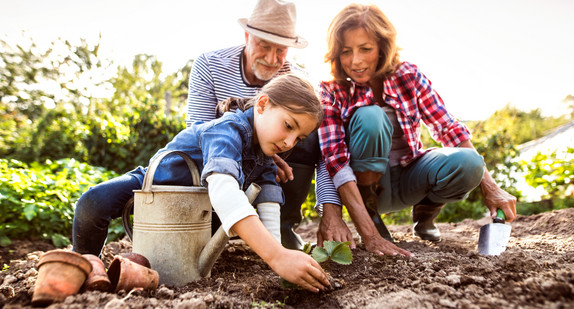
138 258
126 275
97 279
60 274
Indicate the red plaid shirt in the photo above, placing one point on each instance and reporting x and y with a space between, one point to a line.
409 92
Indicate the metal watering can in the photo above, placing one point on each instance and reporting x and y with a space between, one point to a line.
172 226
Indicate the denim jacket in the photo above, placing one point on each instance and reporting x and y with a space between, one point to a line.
223 145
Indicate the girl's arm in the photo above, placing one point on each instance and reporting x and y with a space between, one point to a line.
238 217
292 265
270 215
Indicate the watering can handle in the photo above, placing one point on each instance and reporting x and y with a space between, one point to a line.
148 178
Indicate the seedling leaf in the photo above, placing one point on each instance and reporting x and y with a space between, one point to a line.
307 248
329 246
320 254
342 254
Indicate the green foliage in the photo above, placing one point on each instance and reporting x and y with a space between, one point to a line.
308 208
144 85
521 126
48 110
37 200
397 218
116 230
553 172
465 209
57 134
35 79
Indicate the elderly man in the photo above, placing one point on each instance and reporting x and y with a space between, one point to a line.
240 71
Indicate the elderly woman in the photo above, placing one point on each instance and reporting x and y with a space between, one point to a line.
374 160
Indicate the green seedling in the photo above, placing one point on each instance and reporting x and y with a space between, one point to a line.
336 251
264 304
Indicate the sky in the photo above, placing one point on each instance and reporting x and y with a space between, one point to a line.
479 54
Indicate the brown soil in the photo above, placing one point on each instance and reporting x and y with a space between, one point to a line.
536 271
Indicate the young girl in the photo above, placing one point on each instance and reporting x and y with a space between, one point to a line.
231 152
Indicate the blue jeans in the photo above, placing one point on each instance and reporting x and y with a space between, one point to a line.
439 176
96 208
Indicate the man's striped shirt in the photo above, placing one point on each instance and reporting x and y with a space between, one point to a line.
216 76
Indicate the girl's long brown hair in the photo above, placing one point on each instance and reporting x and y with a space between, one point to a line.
289 91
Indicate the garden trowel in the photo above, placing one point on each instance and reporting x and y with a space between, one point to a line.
494 236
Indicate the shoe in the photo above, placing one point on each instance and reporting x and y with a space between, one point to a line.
290 239
370 195
423 219
295 192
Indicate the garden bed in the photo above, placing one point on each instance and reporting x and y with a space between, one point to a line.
536 271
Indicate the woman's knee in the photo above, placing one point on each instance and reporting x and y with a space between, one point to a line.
371 121
472 166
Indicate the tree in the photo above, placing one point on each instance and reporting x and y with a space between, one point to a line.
35 79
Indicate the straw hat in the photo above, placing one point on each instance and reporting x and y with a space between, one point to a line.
274 21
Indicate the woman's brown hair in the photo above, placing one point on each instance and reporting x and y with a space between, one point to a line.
376 23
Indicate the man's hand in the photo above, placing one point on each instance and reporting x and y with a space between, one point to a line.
332 227
284 171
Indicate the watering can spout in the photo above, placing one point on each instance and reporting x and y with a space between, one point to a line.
217 243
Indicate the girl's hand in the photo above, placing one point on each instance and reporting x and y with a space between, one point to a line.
293 266
301 269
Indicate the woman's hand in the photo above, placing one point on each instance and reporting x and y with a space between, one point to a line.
301 269
377 244
284 171
373 241
496 198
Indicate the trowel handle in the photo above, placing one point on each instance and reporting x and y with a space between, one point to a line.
500 217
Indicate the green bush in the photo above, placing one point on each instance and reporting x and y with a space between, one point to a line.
123 144
532 208
552 172
451 212
37 200
57 134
